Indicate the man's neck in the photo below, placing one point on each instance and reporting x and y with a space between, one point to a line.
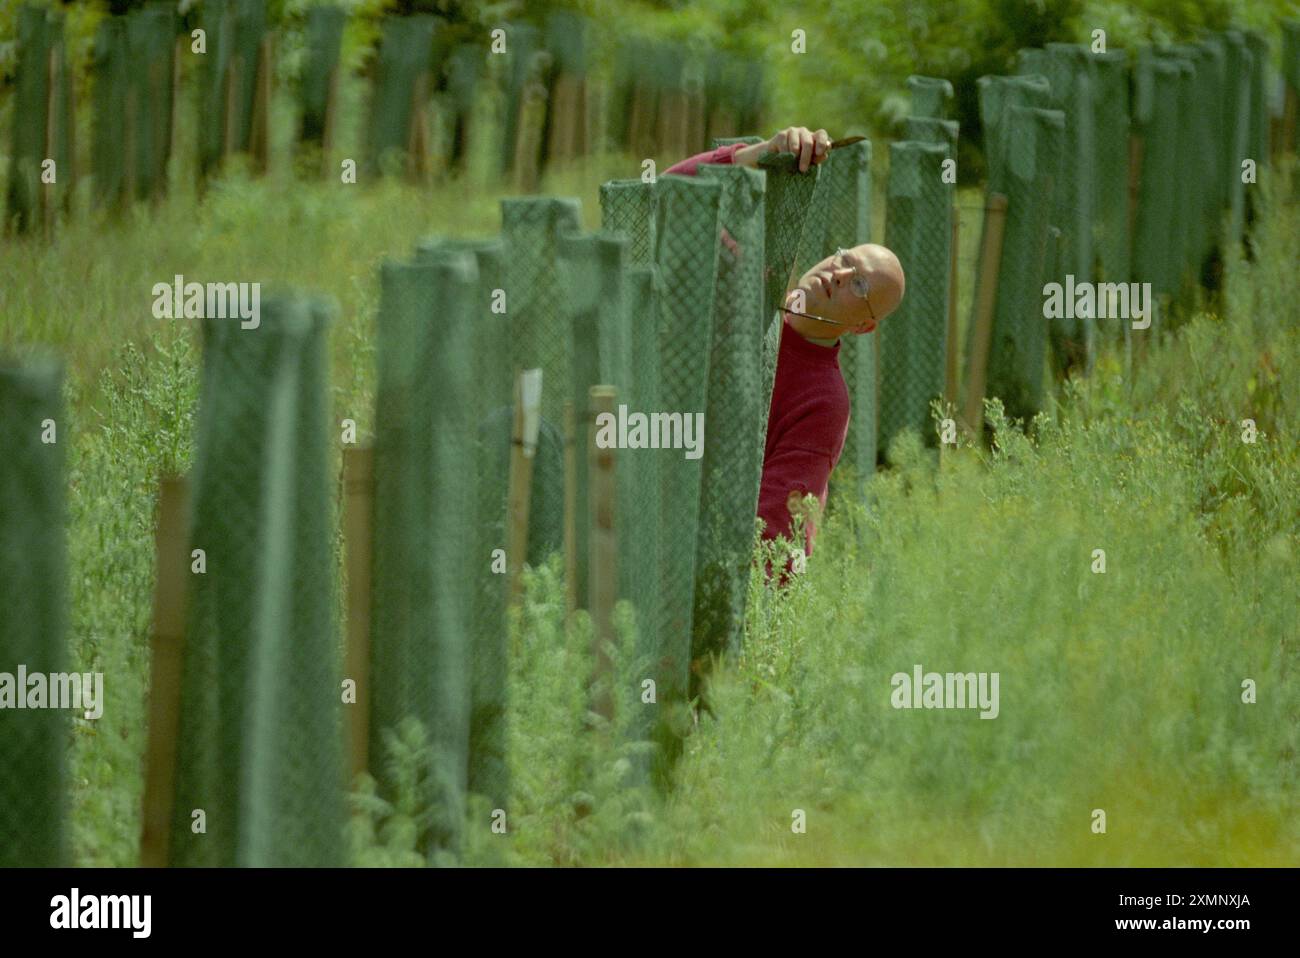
803 326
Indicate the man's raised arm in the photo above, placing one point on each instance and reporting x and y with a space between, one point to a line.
810 147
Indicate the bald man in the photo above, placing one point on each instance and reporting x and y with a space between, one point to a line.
851 291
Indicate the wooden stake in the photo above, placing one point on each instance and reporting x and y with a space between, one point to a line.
166 642
602 564
523 447
358 513
995 212
570 510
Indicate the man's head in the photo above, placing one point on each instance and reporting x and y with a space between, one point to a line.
854 288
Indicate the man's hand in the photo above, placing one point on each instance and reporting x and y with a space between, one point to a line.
811 148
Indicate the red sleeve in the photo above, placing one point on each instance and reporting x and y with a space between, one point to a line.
722 154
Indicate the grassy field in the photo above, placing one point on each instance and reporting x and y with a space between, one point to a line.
1120 691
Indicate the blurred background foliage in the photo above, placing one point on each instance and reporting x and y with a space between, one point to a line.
858 55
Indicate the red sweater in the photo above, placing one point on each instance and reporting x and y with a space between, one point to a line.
809 416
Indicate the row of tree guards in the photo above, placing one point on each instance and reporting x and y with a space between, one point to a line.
509 104
484 461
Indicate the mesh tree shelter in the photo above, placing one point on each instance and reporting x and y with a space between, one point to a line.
733 459
930 95
531 228
39 132
234 32
591 275
133 67
260 746
33 616
1236 126
405 57
628 209
1069 73
1157 178
997 95
1183 196
324 39
913 344
1111 151
491 399
1018 345
686 253
424 455
523 46
1257 133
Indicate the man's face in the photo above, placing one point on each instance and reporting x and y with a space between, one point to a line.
833 290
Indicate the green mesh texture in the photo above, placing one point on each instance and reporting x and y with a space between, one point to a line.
133 57
733 462
1018 345
640 473
930 95
924 129
405 54
628 207
591 275
789 201
1069 73
260 736
997 95
686 253
424 447
1111 151
531 228
1157 178
324 38
33 616
39 31
841 217
488 772
913 343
